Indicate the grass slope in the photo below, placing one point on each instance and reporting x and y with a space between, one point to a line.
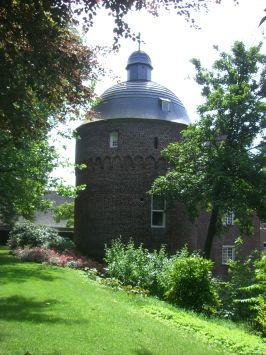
50 310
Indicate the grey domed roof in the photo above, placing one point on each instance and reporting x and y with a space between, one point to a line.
139 57
139 97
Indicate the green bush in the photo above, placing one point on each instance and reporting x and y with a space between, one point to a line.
257 295
247 282
238 301
190 284
59 244
260 319
245 298
260 274
27 233
135 266
182 279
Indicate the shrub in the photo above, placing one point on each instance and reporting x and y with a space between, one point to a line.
118 286
244 297
241 277
27 233
36 254
260 319
260 274
182 279
247 283
59 243
135 266
190 284
52 257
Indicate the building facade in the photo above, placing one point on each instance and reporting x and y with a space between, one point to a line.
136 120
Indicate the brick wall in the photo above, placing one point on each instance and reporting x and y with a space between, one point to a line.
115 202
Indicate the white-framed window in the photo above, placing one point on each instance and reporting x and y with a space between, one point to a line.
113 139
229 218
158 206
262 225
228 253
165 104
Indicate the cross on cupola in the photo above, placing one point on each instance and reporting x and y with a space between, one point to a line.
139 41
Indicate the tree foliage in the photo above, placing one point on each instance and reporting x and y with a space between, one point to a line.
43 66
65 212
24 174
119 9
216 165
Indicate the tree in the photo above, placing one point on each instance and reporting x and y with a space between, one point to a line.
43 66
217 165
262 20
24 175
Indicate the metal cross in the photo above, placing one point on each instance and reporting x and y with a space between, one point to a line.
138 38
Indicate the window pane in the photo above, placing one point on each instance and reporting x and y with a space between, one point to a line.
228 253
113 139
157 203
157 218
229 219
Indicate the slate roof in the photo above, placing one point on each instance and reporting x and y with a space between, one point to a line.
141 98
139 57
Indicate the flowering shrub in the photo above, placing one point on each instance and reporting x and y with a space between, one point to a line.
27 233
52 257
37 254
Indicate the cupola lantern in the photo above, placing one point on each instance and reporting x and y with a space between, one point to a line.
139 67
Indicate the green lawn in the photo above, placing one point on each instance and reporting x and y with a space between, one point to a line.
50 310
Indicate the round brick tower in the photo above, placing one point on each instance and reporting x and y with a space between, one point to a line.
138 118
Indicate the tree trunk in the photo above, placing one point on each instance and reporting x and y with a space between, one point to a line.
212 229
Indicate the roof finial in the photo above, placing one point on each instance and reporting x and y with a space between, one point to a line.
139 41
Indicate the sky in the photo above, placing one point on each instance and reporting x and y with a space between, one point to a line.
171 43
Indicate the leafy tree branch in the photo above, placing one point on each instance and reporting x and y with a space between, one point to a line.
215 166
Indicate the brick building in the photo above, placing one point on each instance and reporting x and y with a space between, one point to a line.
138 118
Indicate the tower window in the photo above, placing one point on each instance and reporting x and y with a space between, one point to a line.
228 253
165 104
158 205
113 139
156 142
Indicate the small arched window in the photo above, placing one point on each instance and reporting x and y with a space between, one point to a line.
113 139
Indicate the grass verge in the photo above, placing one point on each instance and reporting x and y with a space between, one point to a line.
51 310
